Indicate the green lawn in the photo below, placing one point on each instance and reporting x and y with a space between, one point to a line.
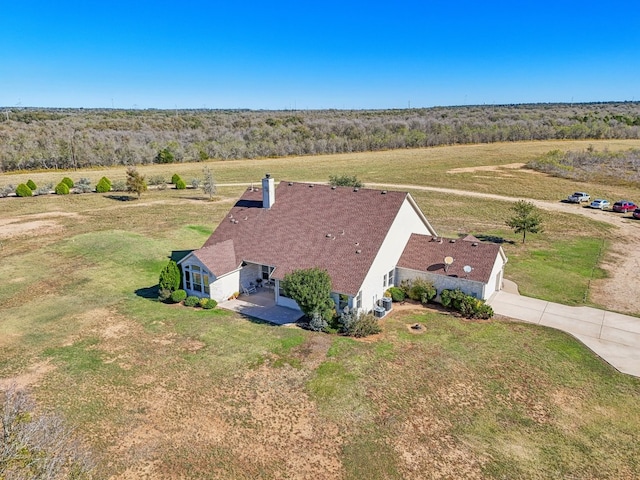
179 392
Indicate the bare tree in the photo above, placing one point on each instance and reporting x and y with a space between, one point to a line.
36 446
209 183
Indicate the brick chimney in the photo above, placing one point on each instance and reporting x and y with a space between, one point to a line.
268 191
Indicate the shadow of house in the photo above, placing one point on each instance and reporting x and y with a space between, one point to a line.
177 255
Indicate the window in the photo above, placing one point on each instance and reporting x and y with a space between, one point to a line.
196 279
384 280
391 279
359 300
266 272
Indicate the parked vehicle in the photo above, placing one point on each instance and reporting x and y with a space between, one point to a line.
579 197
600 203
636 213
624 206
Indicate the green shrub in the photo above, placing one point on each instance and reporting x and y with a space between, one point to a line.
354 324
397 294
62 189
175 178
105 179
211 303
68 182
468 306
191 301
31 184
203 301
102 186
23 191
180 184
170 277
419 289
178 296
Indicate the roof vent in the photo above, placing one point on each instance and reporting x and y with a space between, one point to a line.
474 244
311 185
333 187
384 192
290 184
328 235
358 251
355 189
453 240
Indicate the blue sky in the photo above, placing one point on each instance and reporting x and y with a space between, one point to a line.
312 55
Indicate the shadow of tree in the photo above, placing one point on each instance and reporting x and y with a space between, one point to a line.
120 198
494 239
150 293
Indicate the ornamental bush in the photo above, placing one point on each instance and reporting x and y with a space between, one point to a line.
203 301
105 179
175 178
467 305
23 191
62 189
317 323
354 324
191 301
103 186
68 182
180 184
397 295
211 303
84 185
311 289
170 277
31 184
178 296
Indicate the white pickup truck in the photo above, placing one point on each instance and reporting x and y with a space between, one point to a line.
578 197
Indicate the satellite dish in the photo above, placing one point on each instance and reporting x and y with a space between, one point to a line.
447 261
467 269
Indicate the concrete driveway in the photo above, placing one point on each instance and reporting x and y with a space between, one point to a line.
613 336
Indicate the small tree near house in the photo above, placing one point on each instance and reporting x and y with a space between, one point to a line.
526 219
169 280
311 289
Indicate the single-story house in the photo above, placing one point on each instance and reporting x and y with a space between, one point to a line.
367 240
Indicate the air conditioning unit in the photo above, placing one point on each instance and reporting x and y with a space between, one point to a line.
379 312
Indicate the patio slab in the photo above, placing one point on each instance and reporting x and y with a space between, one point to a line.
262 305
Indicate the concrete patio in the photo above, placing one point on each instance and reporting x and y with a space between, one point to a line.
262 305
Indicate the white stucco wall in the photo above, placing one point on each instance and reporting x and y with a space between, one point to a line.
495 282
407 221
225 286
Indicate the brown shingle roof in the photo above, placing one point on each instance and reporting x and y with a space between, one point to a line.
426 253
219 258
312 226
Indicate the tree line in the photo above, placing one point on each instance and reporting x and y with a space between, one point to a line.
34 138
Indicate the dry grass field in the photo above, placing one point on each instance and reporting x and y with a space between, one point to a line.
159 391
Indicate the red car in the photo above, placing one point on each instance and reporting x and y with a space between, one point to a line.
624 206
636 213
